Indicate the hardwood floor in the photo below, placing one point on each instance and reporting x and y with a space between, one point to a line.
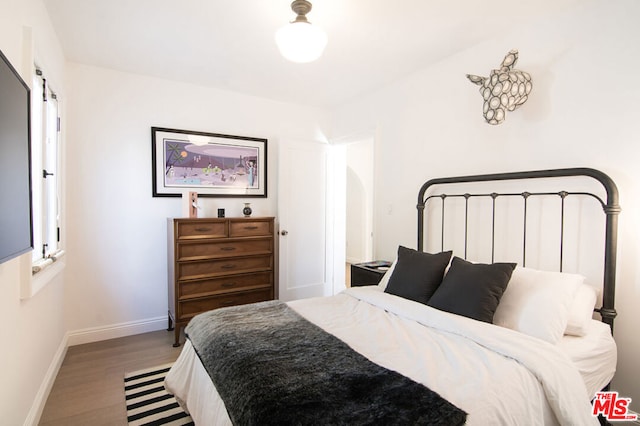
89 387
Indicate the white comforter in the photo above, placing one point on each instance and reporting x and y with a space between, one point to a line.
496 375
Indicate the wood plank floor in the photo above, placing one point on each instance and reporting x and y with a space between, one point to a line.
89 387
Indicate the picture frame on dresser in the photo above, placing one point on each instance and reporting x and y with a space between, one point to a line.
211 164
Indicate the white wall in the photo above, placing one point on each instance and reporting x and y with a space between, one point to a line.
33 330
583 111
117 267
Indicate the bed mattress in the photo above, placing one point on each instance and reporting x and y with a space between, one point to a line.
484 377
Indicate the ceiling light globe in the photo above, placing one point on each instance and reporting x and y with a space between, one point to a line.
301 42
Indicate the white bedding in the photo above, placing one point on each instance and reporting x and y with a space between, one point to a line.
595 355
499 376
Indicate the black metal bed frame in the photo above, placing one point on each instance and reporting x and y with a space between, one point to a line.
610 207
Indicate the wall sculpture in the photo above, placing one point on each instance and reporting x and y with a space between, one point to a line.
504 90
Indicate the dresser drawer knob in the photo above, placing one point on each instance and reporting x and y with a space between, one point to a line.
250 227
227 248
203 229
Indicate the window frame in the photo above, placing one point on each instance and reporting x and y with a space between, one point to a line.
47 182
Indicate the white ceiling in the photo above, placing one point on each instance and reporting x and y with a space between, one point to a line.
229 44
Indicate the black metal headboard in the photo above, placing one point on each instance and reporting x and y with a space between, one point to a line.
610 207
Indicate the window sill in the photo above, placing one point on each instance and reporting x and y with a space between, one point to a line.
34 281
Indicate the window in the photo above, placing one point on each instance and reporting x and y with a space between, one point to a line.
45 158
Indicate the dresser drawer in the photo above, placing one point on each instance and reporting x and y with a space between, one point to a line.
250 228
211 268
201 229
188 309
193 250
199 288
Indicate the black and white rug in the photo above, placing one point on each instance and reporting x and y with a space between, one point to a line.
148 402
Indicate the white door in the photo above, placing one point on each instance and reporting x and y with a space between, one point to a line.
302 213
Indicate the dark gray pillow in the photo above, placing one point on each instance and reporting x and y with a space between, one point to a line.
417 274
472 289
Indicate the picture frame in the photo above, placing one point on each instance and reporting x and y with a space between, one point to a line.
211 164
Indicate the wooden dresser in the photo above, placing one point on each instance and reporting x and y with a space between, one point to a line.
215 263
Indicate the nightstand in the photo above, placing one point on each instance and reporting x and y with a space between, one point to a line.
368 273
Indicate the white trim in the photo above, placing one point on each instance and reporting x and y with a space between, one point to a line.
335 214
31 283
33 417
96 334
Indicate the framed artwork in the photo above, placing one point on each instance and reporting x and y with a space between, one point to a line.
211 164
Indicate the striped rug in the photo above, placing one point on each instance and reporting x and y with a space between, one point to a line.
148 403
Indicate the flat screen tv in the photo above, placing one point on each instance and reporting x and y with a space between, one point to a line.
16 235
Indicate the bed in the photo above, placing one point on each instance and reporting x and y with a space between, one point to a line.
449 336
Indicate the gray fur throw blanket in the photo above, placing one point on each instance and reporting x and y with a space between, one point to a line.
271 366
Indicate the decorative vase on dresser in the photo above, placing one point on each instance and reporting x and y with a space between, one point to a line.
218 262
246 211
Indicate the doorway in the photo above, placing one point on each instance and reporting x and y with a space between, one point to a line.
357 178
359 201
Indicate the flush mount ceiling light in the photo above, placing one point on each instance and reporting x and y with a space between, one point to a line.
299 41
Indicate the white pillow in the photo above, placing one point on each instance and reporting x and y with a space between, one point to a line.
382 284
581 310
537 303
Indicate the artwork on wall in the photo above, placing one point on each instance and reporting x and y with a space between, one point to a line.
504 90
213 165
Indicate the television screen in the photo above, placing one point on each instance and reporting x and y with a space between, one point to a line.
16 235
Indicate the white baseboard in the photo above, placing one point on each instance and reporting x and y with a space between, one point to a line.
96 334
33 417
78 337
